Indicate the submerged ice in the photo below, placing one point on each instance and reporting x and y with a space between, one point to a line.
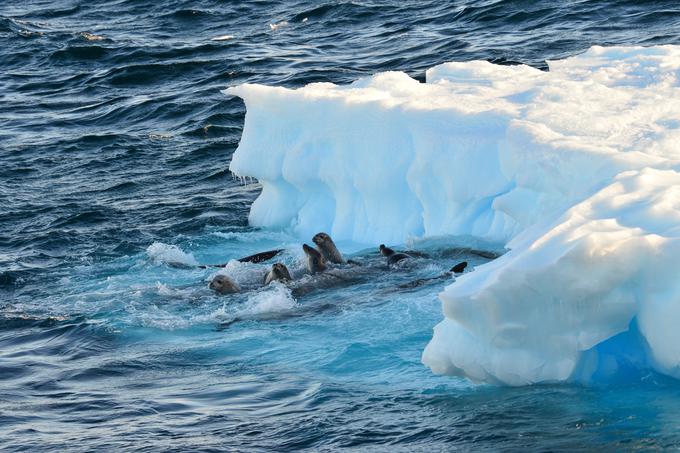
574 169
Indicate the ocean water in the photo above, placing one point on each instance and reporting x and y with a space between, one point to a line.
115 143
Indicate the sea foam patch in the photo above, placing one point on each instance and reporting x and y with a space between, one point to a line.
575 169
159 252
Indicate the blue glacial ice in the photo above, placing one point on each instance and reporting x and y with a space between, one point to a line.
575 170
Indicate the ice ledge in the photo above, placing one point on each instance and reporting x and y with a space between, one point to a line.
568 286
572 168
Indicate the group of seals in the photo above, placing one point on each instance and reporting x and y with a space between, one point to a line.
317 261
325 252
223 284
394 257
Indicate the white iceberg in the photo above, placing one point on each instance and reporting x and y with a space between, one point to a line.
575 169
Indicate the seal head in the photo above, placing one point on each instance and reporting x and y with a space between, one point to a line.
278 272
222 284
327 248
315 260
392 256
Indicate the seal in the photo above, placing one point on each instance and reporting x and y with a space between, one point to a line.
326 246
279 272
259 257
459 268
392 256
256 258
222 284
315 260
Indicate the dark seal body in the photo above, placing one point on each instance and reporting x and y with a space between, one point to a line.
327 248
279 272
222 284
315 260
459 268
392 256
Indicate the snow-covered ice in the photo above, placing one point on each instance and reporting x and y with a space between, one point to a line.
574 169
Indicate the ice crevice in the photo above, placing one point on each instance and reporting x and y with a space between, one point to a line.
574 169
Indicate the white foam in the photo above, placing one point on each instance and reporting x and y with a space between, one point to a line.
275 298
222 38
174 292
255 236
159 252
278 25
574 170
244 274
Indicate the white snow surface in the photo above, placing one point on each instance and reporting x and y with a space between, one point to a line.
574 169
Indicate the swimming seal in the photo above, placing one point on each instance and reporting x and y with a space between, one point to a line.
262 256
315 260
459 268
224 285
256 258
279 272
392 256
327 248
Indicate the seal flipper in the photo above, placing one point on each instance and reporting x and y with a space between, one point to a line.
459 268
256 258
262 256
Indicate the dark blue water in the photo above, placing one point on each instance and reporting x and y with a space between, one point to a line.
114 149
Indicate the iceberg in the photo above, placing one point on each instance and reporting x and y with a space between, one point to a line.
575 170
